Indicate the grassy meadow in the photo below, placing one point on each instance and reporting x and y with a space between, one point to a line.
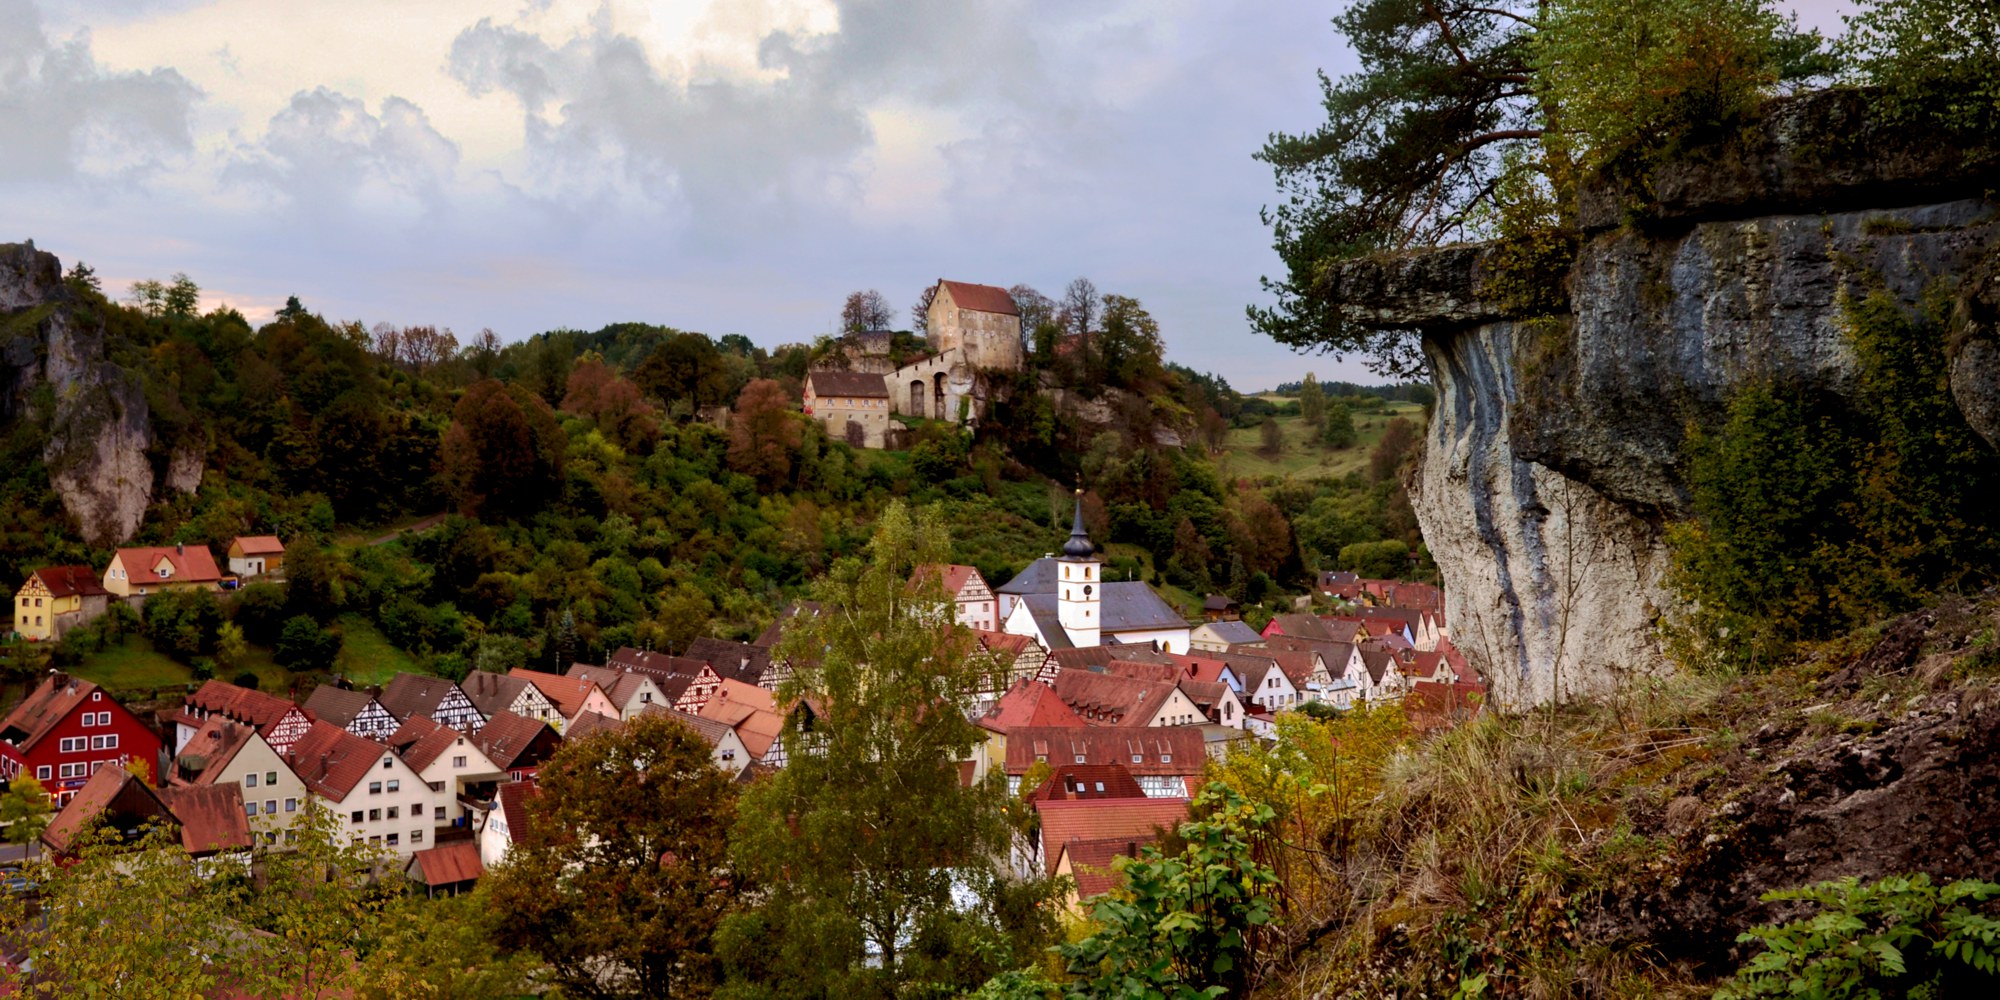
1302 456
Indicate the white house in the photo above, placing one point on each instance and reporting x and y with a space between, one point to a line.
506 822
977 606
1065 603
380 800
630 693
1265 684
494 694
434 698
355 711
446 760
224 751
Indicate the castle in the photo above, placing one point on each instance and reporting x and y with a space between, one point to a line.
973 329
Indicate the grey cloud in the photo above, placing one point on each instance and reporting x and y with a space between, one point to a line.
325 149
64 116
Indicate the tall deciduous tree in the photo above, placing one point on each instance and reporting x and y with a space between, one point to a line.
864 311
863 838
1312 402
762 433
623 873
319 903
25 809
686 372
504 452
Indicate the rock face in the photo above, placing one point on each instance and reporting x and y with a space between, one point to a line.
1554 461
57 372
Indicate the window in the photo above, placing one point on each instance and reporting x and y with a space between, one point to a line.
1138 758
357 816
291 805
1079 758
393 810
89 718
416 836
250 781
96 764
375 840
728 755
42 773
104 718
395 784
374 788
270 778
374 815
270 807
395 839
417 809
386 762
70 744
249 808
458 762
1166 758
517 775
440 814
436 786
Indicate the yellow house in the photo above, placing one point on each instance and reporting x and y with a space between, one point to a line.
56 599
170 567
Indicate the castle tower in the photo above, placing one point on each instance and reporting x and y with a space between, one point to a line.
980 322
1077 592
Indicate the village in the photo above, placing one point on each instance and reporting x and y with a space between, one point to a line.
1111 704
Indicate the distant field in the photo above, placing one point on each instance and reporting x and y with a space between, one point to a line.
1302 457
134 664
366 657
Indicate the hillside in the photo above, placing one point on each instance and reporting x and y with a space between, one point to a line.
1302 456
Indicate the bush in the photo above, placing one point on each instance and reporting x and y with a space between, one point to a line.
304 645
203 668
1902 936
246 679
182 623
259 610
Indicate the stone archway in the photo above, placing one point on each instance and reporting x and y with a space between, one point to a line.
938 396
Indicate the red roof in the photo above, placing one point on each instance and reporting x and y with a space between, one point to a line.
506 737
448 864
954 576
210 816
514 798
981 298
1066 821
50 703
260 545
1169 751
1108 699
569 693
112 787
191 563
1089 781
1029 703
1090 862
70 581
421 740
214 745
331 760
239 703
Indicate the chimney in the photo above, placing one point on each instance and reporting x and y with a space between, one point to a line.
179 549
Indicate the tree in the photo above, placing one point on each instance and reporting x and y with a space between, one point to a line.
1336 429
182 623
1399 442
1935 62
182 297
686 372
862 837
613 403
1312 402
304 646
319 902
1037 311
483 353
920 314
1271 438
763 436
1129 347
865 311
504 452
25 809
623 873
443 949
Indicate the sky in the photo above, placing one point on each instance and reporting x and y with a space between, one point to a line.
735 166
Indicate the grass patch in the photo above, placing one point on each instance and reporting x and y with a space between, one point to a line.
133 664
1302 457
366 656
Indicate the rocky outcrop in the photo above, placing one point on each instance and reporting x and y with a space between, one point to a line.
1554 461
96 413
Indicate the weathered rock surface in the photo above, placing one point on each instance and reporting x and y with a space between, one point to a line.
96 412
1555 457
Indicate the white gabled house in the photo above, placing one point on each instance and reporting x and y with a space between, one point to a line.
495 694
224 751
380 800
447 761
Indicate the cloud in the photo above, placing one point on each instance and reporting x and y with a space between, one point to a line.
326 153
64 116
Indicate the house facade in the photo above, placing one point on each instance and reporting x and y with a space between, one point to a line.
355 711
433 698
227 752
495 693
572 696
256 555
981 322
140 571
280 722
380 800
517 745
56 599
630 693
854 406
1230 635
974 602
447 760
68 729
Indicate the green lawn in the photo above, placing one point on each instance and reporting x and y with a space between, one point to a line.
133 664
1302 457
366 657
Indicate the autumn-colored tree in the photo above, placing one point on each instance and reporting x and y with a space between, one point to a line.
613 403
1262 533
622 874
865 311
763 434
1399 442
25 808
504 452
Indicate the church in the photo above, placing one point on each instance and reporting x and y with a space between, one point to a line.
1064 603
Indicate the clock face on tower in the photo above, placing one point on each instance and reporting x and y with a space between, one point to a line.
1086 590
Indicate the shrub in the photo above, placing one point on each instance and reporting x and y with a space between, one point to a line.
304 645
259 610
246 679
1900 936
182 623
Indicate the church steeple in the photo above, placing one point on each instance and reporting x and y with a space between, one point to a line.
1077 599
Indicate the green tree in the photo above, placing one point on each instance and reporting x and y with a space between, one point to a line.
1128 343
182 622
182 296
1935 62
861 838
25 809
444 949
319 902
1270 438
1336 429
230 646
303 645
1385 560
1312 402
623 873
686 372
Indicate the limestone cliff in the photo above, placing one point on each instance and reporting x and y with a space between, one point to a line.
1554 461
57 373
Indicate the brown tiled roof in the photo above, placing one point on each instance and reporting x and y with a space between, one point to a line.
409 694
70 581
337 705
1138 671
1205 694
331 760
621 686
491 692
569 693
1089 781
506 737
1066 821
711 730
239 703
448 864
420 741
839 383
1168 751
1298 664
191 563
590 724
211 817
1091 862
1100 656
1005 643
1110 699
750 711
213 746
1029 703
513 804
111 787
732 660
954 576
981 298
259 545
51 702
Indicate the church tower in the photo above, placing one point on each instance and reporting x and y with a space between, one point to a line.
1078 588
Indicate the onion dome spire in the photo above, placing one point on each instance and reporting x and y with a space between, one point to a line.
1078 546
